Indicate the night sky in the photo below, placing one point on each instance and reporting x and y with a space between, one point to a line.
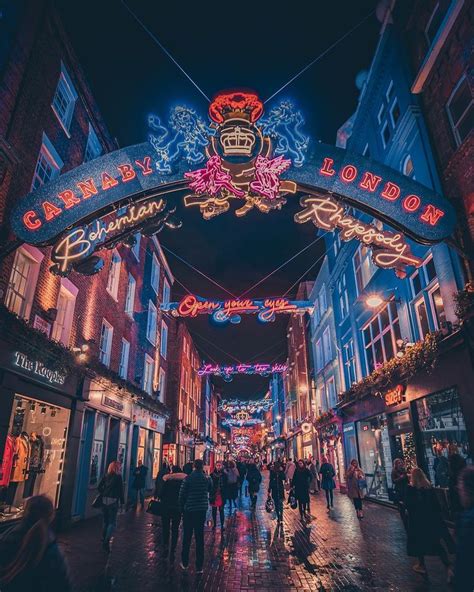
254 45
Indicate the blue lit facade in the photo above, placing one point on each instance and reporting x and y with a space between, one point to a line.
388 127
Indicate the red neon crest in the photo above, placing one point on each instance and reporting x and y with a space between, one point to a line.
247 104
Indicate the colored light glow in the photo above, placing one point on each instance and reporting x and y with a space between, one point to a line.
262 369
267 175
226 311
374 300
212 180
235 103
234 406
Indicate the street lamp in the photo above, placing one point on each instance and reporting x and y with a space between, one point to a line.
278 417
374 300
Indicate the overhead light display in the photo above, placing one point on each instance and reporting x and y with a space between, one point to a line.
227 372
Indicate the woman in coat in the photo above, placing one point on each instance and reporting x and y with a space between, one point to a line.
217 495
400 483
111 490
232 487
276 488
170 510
426 526
30 560
328 473
355 480
300 485
254 478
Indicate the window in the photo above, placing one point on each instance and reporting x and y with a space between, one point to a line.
380 337
435 20
162 384
385 133
428 307
319 355
114 275
381 113
93 147
164 339
64 100
316 313
348 359
65 311
124 355
105 346
343 297
364 268
151 324
22 283
327 346
395 112
366 151
148 371
389 93
136 246
331 393
130 299
323 303
166 292
422 317
407 167
460 109
155 273
48 165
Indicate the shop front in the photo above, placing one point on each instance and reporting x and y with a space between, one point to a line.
308 441
329 432
37 434
147 442
105 437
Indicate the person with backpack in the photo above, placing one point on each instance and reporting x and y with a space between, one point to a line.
111 490
232 486
170 509
217 496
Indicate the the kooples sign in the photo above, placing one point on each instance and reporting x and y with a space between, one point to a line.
389 249
38 369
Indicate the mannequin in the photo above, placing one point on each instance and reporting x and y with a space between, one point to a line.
35 463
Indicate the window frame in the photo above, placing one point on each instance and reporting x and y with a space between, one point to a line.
162 384
384 127
151 319
454 130
50 154
164 331
65 80
92 141
166 293
105 355
33 257
124 360
136 246
130 300
381 334
148 363
65 335
113 279
391 109
155 270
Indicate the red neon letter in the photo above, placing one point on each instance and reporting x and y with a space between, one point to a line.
145 165
370 181
88 188
50 210
348 173
127 172
327 167
30 220
431 215
411 203
69 198
108 181
391 191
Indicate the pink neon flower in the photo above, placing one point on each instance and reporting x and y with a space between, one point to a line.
211 179
267 175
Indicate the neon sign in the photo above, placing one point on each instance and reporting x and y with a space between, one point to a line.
389 249
395 396
234 406
229 371
229 311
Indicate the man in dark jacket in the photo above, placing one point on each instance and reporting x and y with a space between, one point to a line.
138 484
194 502
171 511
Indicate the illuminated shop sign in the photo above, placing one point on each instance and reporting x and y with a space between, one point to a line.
225 311
396 395
243 158
37 368
229 371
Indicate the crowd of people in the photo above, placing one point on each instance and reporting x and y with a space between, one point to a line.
30 558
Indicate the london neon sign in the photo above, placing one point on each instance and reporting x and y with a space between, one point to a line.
230 311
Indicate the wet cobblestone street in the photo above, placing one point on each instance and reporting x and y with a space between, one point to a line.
332 552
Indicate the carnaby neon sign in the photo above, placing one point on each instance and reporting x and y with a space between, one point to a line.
245 159
229 371
229 311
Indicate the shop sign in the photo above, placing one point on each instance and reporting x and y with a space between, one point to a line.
396 395
108 401
157 424
38 369
42 325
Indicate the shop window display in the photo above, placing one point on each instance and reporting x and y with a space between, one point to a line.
375 455
97 457
122 447
33 458
141 445
402 438
156 454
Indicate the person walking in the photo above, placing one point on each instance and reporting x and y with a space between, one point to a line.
276 488
242 472
328 473
138 485
456 465
426 527
111 490
30 559
194 502
300 485
217 496
356 485
290 468
400 483
254 478
311 466
463 570
170 509
232 486
159 478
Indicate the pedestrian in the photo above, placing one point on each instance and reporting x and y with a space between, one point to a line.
456 465
170 509
111 490
318 482
254 478
440 467
138 485
356 486
464 572
159 478
426 527
400 483
217 495
328 473
194 502
310 465
232 486
188 468
290 468
276 488
242 472
30 559
300 485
